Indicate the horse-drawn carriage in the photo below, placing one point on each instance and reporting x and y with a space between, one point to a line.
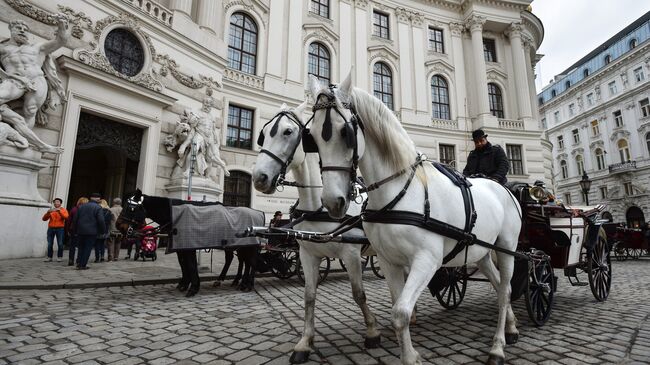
626 242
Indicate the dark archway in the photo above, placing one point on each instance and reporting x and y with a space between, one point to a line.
607 216
635 217
106 158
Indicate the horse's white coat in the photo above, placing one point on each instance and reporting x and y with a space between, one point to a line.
387 149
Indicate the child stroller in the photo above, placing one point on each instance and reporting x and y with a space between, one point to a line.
149 243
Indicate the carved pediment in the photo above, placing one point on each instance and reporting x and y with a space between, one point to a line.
577 151
643 128
621 133
440 66
382 51
597 144
561 156
496 74
320 32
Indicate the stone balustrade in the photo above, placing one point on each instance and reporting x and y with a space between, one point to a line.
444 123
244 78
511 124
622 167
155 10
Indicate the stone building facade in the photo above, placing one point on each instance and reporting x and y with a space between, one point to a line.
597 117
133 67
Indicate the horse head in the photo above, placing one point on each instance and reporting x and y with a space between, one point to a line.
281 148
337 132
133 214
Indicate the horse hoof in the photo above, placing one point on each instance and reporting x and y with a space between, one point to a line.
494 360
299 357
511 338
372 342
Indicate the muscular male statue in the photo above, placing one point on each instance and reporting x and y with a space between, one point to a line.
28 72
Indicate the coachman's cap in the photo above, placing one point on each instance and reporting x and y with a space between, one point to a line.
95 195
477 134
278 213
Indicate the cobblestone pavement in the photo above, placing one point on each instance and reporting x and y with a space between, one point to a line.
157 325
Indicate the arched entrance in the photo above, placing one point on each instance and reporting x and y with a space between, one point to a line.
634 217
607 216
106 158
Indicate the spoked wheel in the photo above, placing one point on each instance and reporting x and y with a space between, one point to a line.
451 287
364 263
541 290
620 253
599 268
634 253
374 265
323 270
284 264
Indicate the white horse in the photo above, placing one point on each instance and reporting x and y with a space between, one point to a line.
282 138
384 149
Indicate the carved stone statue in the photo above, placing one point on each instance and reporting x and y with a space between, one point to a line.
197 129
29 83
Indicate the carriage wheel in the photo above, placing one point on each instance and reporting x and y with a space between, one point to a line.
374 265
451 294
620 253
323 270
284 264
364 263
634 253
540 291
599 268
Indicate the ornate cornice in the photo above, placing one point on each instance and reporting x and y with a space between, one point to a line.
169 66
475 23
75 18
95 56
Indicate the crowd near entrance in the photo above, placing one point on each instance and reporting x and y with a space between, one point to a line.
106 158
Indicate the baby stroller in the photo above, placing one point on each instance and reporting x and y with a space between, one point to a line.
149 243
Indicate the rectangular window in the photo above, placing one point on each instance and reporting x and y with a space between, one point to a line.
489 50
320 7
612 88
380 25
590 99
556 117
436 42
628 189
240 128
618 118
595 129
560 142
567 198
448 154
576 136
603 192
645 108
638 74
572 109
516 161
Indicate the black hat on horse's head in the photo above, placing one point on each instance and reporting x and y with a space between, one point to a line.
478 134
96 195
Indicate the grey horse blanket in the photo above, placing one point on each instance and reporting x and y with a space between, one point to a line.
212 226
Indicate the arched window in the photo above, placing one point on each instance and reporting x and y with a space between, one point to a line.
319 62
600 158
242 43
567 84
585 72
608 59
647 141
623 150
496 100
564 169
580 164
633 43
383 83
440 98
607 216
237 189
553 93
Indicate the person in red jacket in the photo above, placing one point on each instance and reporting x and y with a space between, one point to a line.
55 227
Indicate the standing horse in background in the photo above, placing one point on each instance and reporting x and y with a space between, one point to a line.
282 151
352 128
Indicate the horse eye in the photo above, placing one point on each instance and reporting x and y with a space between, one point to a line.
288 132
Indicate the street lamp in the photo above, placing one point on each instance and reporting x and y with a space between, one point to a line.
585 185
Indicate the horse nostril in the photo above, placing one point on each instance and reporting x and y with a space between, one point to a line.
341 202
263 178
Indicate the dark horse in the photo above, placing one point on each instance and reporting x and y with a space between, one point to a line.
131 223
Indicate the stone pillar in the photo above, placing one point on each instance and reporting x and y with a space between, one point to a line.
530 77
182 6
521 79
276 26
361 46
207 15
459 72
475 24
418 37
407 83
294 64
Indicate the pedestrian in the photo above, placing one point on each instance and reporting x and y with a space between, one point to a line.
56 217
486 160
276 221
100 243
115 238
87 224
72 236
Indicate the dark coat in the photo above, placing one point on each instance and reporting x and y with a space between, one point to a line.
491 161
89 220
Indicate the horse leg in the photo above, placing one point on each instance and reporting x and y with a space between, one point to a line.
240 267
413 320
248 260
310 264
506 268
421 271
353 264
229 256
486 265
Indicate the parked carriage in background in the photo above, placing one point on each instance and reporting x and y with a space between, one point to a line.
553 236
629 243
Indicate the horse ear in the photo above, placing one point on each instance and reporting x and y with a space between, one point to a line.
346 86
314 86
284 106
301 108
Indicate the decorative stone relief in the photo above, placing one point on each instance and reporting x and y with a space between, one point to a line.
596 144
597 90
169 66
475 23
363 4
630 105
562 156
577 151
621 133
624 79
95 57
48 18
514 30
247 4
456 29
417 19
402 15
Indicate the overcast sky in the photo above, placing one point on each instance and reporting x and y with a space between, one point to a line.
573 28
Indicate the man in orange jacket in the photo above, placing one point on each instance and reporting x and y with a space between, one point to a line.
55 227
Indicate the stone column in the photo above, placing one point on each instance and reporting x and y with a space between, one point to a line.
459 72
407 83
207 15
182 6
521 79
475 24
361 45
418 37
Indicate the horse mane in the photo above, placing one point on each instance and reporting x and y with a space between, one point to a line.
381 125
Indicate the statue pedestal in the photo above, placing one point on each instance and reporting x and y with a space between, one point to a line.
21 205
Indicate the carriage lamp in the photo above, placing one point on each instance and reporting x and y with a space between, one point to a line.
585 185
